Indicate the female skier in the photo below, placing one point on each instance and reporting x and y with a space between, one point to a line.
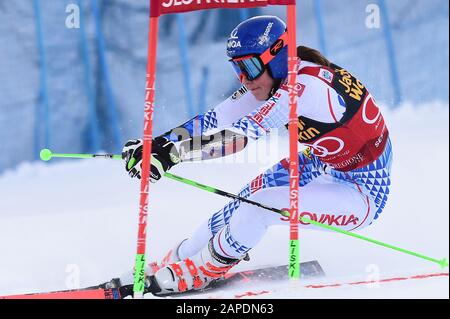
339 123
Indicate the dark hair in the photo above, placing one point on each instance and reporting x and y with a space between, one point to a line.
312 55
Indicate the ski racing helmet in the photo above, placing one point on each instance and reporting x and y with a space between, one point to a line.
257 44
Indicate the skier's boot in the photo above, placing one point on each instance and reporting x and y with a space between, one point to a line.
170 258
153 267
194 273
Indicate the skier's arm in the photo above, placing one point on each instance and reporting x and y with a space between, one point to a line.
273 114
205 136
240 103
226 140
230 135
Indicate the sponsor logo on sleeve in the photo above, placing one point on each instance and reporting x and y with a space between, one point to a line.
326 75
237 94
261 114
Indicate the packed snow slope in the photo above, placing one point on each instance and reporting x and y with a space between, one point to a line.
74 222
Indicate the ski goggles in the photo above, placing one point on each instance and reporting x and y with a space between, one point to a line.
253 66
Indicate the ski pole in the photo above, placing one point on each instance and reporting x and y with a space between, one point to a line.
443 262
46 155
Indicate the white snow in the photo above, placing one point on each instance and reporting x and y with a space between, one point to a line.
74 222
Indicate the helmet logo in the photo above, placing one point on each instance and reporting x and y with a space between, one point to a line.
233 34
276 47
234 44
265 37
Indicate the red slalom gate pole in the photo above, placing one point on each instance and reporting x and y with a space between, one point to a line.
139 274
157 8
294 259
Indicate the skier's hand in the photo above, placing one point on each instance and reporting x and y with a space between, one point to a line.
132 154
164 156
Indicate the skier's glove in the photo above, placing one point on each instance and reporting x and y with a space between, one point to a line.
132 154
164 156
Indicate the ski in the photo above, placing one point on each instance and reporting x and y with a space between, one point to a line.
309 269
109 290
98 293
115 290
